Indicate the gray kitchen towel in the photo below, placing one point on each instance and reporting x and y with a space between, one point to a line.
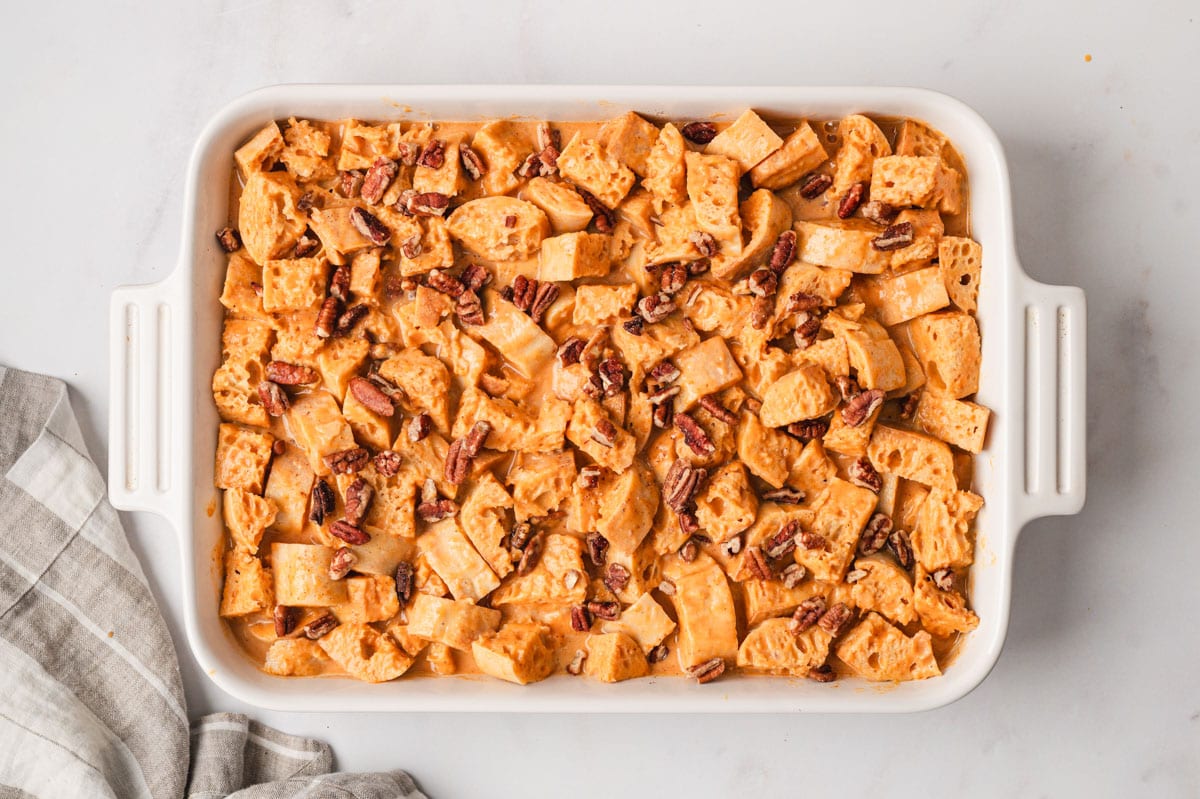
91 702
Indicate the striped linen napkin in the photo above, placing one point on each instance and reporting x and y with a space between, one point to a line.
91 702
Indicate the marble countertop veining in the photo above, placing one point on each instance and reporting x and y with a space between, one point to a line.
1096 691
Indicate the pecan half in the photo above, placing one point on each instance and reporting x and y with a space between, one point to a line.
712 404
371 396
597 547
369 226
581 619
429 203
547 293
705 243
783 252
523 292
379 177
792 574
589 476
463 451
339 283
860 406
655 307
803 302
605 433
290 374
469 309
694 435
896 237
875 535
811 540
854 575
420 427
358 499
852 200
681 484
807 614
784 496
822 673
783 543
229 239
699 132
327 317
349 533
899 544
434 155
809 429
690 550
472 164
388 463
321 502
321 627
664 412
347 461
761 311
756 562
340 564
673 278
306 245
805 334
445 283
862 473
520 535
406 579
274 399
708 671
943 579
612 376
475 276
910 405
658 654
616 577
350 182
814 184
880 212
763 282
531 554
835 620
634 326
436 510
570 351
602 217
285 620
351 317
609 611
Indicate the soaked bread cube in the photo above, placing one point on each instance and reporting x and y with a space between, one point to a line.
666 173
288 486
548 582
727 503
942 536
586 163
764 216
302 576
960 261
574 255
242 457
839 521
957 422
447 179
706 368
884 587
801 153
448 550
426 384
873 354
268 219
704 609
801 278
841 244
362 144
340 238
247 516
513 333
802 394
644 621
879 652
339 360
766 452
862 143
294 284
486 520
917 138
947 344
306 150
369 597
599 305
766 599
587 431
748 141
261 152
453 623
942 612
563 206
365 653
518 652
295 657
317 424
773 648
629 138
907 296
910 180
626 504
430 245
614 657
712 187
502 146
239 295
483 227
247 585
541 482
911 455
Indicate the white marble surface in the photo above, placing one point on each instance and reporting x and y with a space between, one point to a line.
1096 692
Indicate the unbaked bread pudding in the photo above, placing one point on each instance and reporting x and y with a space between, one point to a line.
621 399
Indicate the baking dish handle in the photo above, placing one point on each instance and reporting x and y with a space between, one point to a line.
144 387
1055 400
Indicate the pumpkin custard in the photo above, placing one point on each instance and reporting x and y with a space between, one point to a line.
617 399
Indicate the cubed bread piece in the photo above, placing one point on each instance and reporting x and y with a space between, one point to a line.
429 244
766 452
666 174
942 612
541 482
801 153
238 294
448 178
846 440
519 652
450 553
603 305
368 427
656 342
316 422
704 609
644 621
562 205
917 138
802 278
339 360
306 150
426 383
748 141
862 143
947 343
960 261
486 521
879 652
613 657
454 623
842 244
802 394
958 422
727 504
383 553
366 277
548 581
883 587
873 354
942 536
235 384
629 138
712 187
911 180
510 425
811 472
247 585
574 255
910 496
411 644
362 144
268 219
907 296
247 516
340 239
392 510
296 340
828 353
294 657
626 504
365 653
370 597
586 163
712 308
288 487
515 335
766 599
482 226
260 153
673 238
773 648
839 521
242 457
706 368
503 146
764 215
593 432
302 576
294 284
911 455
927 229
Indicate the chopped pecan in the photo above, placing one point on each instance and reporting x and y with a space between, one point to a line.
847 386
290 374
531 554
612 376
664 413
694 435
783 252
285 620
616 577
835 620
880 212
672 279
351 317
576 665
910 405
704 243
699 266
581 619
463 451
784 496
875 535
327 317
371 396
602 217
547 136
807 614
349 533
340 564
712 404
943 579
894 238
805 334
369 226
468 309
358 500
662 395
305 203
229 239
792 574
306 245
803 302
658 654
605 433
822 673
379 177
411 247
420 427
523 292
434 155
388 463
852 200
814 184
471 162
690 550
436 510
429 203
321 627
429 490
664 372
520 535
681 484
609 611
406 579
570 351
321 502
274 399
756 562
347 461
783 543
474 277
860 406
732 546
761 311
688 525
339 283
634 326
810 540
763 282
350 182
862 473
708 671
445 283
589 476
597 547
699 132
809 429
854 575
407 152
547 293
899 544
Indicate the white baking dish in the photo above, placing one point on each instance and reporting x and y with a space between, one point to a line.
165 346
